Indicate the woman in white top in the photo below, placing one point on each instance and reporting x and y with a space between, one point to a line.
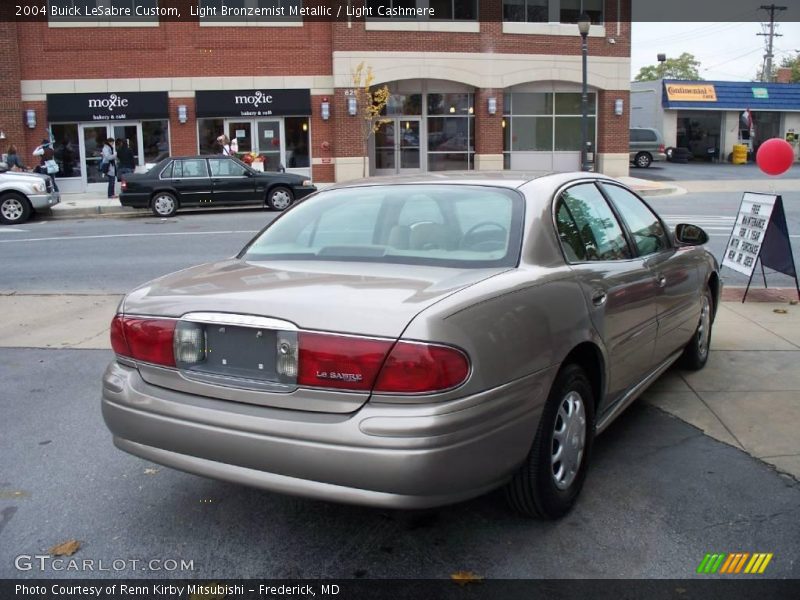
109 162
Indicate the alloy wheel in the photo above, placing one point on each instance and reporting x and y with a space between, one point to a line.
12 209
569 440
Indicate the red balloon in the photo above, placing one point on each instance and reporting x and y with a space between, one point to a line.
775 156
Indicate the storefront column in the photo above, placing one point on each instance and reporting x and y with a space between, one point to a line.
183 136
613 133
323 161
488 131
347 142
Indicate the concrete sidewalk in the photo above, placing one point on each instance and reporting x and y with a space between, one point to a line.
748 395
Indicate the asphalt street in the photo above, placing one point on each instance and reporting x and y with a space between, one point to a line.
114 255
659 496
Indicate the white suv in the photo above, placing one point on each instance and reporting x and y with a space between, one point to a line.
22 193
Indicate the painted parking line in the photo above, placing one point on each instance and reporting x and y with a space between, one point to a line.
12 230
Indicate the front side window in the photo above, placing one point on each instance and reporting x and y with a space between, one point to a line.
648 232
587 227
437 225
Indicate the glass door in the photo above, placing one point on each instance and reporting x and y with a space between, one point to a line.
397 146
93 137
408 145
271 144
242 132
92 140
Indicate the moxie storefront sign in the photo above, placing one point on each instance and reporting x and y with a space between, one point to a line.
107 106
252 103
691 92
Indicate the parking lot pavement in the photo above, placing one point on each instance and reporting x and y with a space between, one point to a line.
748 395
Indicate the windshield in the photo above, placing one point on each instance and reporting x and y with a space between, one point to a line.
438 225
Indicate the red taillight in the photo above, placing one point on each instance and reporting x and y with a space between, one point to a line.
123 185
414 368
148 340
342 362
661 148
355 363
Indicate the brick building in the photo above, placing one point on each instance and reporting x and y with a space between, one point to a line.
486 84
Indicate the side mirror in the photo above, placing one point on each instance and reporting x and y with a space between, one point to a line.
690 235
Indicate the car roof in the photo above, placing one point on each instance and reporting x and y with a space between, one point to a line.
506 179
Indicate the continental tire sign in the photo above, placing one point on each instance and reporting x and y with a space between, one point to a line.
690 92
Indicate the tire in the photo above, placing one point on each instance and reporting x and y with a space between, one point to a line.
164 204
14 209
643 160
695 354
280 198
541 488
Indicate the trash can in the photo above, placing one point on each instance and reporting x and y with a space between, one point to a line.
739 154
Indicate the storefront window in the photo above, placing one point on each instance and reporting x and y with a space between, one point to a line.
540 11
297 142
545 122
67 149
208 130
155 140
532 11
451 143
403 105
570 10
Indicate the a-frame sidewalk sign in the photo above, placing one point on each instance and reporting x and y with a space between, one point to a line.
760 235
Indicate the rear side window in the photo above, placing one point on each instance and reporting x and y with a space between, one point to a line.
643 135
461 226
587 227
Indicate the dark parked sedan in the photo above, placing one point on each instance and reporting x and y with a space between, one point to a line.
411 345
190 181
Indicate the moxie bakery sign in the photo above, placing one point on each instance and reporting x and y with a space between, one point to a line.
252 103
107 106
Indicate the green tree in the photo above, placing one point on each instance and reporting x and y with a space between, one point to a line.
683 67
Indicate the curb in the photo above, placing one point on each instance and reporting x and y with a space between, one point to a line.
91 212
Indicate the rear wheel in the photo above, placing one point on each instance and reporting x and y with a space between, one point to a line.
164 204
280 198
695 355
643 160
14 209
549 481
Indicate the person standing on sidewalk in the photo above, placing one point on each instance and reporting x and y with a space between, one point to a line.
47 158
125 158
110 166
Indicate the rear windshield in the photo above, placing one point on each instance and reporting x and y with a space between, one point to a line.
438 225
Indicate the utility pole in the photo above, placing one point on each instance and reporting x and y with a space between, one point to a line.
766 72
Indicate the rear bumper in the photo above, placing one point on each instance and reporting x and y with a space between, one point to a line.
397 456
135 200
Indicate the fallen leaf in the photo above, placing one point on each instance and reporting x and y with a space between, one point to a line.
465 577
65 548
780 311
792 302
149 471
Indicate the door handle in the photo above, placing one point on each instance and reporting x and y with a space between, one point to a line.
662 281
599 297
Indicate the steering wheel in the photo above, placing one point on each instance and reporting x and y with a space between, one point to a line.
485 241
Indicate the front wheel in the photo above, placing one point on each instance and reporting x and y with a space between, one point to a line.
164 204
547 484
280 198
695 355
643 160
14 209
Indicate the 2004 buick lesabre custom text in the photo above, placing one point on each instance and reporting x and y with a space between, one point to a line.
413 344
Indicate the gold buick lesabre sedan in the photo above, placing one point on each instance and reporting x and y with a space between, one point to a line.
413 344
